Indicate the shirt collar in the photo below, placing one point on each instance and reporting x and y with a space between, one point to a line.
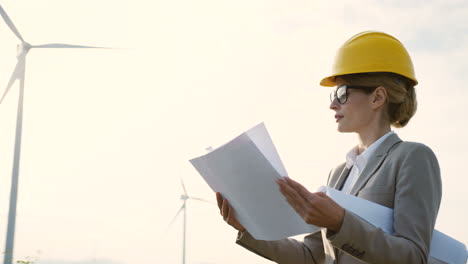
353 159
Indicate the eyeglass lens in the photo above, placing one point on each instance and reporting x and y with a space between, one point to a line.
340 94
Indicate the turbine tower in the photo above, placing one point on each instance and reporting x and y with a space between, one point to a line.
18 74
184 197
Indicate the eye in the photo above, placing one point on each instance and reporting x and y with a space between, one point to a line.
341 93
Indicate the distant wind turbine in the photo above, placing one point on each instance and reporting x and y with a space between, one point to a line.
184 197
18 74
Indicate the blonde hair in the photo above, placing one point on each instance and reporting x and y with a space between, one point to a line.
401 96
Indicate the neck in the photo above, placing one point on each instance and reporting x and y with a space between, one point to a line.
370 135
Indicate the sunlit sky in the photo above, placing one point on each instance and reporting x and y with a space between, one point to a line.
108 133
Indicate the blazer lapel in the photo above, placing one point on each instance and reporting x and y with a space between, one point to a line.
341 179
374 162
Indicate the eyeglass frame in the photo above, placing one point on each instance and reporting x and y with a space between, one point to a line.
333 94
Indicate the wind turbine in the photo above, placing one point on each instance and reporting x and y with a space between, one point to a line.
18 74
184 197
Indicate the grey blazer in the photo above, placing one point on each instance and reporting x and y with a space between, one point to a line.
404 176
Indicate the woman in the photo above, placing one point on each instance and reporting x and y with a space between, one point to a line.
374 80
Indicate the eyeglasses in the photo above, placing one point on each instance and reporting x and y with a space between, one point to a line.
341 93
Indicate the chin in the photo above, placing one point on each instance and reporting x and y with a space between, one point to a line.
344 129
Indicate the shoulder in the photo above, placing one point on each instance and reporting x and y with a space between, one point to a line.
412 150
409 145
413 161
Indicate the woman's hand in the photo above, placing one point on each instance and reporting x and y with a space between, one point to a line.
228 213
315 208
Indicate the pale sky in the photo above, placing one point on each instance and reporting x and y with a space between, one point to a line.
108 133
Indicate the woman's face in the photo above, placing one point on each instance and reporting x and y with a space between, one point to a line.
356 114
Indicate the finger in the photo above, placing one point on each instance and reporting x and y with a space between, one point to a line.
230 214
225 209
290 194
284 184
321 194
219 200
297 206
300 208
329 200
293 183
287 189
322 198
293 198
232 220
298 187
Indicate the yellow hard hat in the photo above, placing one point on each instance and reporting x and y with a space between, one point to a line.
371 51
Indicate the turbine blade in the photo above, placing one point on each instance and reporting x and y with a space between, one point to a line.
18 73
174 218
202 200
66 46
10 23
183 186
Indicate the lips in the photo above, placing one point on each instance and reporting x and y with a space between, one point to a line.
338 117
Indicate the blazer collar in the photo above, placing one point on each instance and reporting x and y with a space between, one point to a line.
374 162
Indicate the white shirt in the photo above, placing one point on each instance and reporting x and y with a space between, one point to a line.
357 162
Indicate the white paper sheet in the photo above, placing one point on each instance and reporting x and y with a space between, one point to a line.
244 172
442 248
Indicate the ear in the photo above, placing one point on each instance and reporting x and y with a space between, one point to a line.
379 97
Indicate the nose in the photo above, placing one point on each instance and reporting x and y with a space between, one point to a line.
334 105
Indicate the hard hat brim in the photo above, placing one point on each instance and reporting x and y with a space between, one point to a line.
328 81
